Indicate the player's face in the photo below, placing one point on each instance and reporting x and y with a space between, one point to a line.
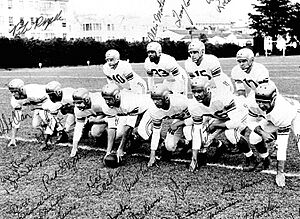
18 95
152 55
195 55
111 102
264 105
245 64
54 97
201 95
112 62
81 105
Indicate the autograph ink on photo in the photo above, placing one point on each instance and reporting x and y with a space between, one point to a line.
22 27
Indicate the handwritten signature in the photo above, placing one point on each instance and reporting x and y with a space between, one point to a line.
6 122
22 27
157 20
179 15
221 4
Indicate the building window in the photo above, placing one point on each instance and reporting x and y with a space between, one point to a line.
64 35
108 27
32 20
11 21
83 27
88 27
64 24
9 4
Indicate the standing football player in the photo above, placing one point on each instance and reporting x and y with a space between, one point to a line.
120 72
248 74
124 111
88 112
165 67
62 96
214 111
271 117
201 65
34 96
168 106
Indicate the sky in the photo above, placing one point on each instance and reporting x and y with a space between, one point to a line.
198 10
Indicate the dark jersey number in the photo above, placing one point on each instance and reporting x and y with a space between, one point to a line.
159 72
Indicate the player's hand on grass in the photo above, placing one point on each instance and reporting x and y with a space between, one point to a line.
280 179
193 165
120 154
73 152
12 142
151 161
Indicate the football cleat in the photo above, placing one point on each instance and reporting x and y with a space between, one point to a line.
250 164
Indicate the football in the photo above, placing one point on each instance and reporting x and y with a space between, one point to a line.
111 160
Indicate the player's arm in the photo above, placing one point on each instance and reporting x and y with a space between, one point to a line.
16 120
154 140
239 88
79 125
150 79
136 83
196 133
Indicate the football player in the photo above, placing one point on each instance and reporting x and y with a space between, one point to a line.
214 111
271 117
168 106
62 96
88 111
248 74
126 108
35 96
120 72
200 65
165 67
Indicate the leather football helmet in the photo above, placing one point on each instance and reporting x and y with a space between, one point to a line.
196 45
154 46
112 57
160 96
81 98
201 88
54 91
111 94
266 93
16 87
245 53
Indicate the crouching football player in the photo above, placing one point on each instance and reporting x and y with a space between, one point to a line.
214 111
35 96
123 112
88 111
269 114
168 106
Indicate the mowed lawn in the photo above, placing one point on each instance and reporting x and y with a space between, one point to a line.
35 184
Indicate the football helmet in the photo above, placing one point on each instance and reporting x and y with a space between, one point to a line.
16 87
245 53
266 93
54 91
154 46
201 89
81 98
112 57
196 45
111 94
160 96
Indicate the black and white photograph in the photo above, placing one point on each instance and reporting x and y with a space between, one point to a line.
149 109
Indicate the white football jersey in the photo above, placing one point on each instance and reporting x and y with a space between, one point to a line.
36 95
124 76
222 107
131 104
178 109
166 68
281 116
67 97
98 104
210 68
249 81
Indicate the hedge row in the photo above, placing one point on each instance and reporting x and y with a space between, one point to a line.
20 53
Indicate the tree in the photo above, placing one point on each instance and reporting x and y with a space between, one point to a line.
272 18
294 21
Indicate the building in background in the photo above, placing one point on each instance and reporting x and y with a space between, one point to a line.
39 19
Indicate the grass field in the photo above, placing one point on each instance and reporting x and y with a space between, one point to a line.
35 184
